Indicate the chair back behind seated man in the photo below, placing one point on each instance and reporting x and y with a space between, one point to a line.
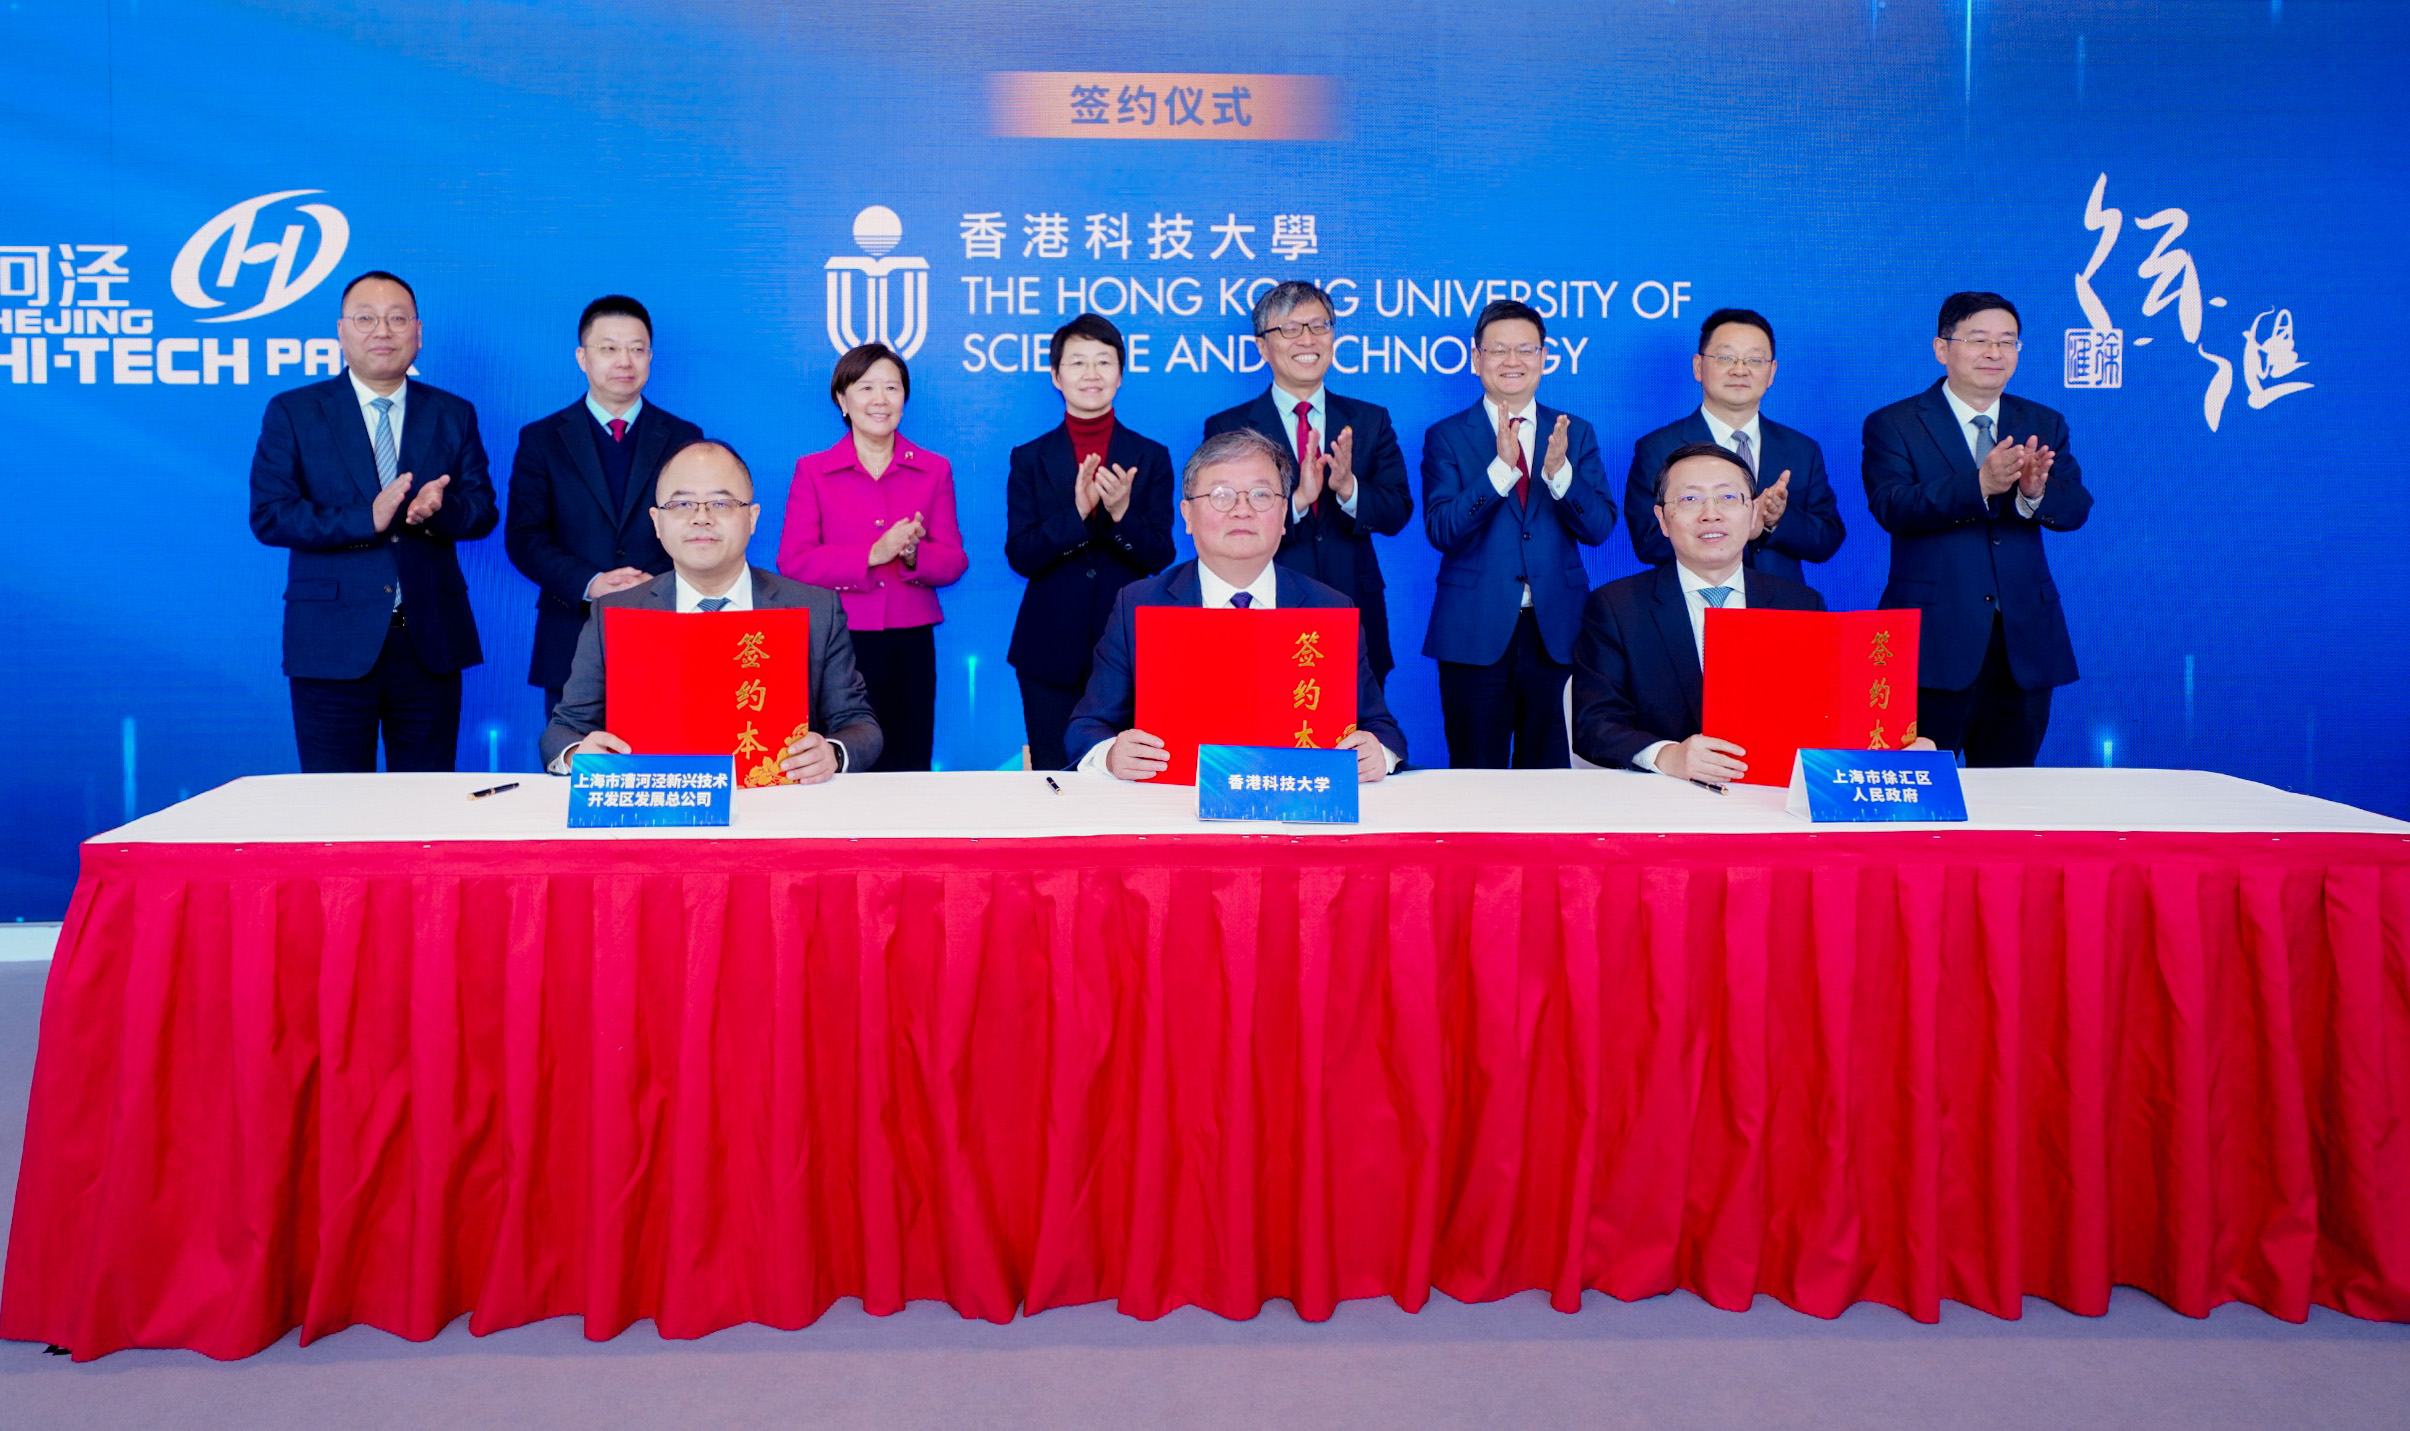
1639 666
704 513
1235 501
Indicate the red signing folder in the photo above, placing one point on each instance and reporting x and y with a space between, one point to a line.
1224 677
1779 682
709 683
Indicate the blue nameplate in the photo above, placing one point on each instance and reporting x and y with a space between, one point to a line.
612 791
1879 785
1269 782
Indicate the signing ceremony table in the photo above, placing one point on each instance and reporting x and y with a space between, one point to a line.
322 1051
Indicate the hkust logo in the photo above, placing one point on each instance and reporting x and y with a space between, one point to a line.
72 308
894 290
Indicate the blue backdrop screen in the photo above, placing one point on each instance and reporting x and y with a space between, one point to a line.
2194 205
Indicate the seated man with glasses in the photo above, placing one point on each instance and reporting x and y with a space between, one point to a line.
370 480
704 513
1351 475
582 482
1512 491
1798 520
1639 667
1965 479
1235 501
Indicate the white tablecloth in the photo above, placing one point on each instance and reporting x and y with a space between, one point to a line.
989 805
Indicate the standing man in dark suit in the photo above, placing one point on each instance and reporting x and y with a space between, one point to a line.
1512 491
1965 478
582 482
1351 477
377 623
1234 494
1798 521
1639 668
1088 510
704 514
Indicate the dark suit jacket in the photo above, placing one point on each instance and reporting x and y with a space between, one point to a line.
1329 545
840 707
1487 541
313 482
563 526
1959 558
1076 567
1636 676
1111 703
1810 529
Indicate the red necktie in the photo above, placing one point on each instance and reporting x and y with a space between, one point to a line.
619 429
1522 467
1305 436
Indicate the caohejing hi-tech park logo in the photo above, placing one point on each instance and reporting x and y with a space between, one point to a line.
902 324
236 227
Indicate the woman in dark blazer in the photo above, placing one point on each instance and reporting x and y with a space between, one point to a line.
1088 510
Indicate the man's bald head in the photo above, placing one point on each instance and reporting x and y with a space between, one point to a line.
704 468
703 512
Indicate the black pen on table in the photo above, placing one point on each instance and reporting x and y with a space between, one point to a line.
1705 785
492 790
1057 789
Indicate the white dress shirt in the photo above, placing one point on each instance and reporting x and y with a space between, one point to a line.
1724 434
1265 591
1317 403
1692 585
1974 439
604 415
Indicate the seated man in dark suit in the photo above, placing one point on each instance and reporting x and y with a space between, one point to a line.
704 513
1351 477
1638 681
1798 520
582 484
377 623
1234 499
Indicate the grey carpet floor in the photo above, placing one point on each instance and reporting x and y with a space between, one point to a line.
1667 1362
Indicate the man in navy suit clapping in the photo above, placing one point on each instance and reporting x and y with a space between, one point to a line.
370 480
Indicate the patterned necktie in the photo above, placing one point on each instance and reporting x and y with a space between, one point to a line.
1522 465
1983 436
389 457
1716 595
619 429
1305 435
1742 445
712 603
1241 600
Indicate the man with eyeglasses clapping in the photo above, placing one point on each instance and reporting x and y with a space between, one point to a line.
1512 491
369 480
703 511
1351 476
1965 479
1798 518
1234 501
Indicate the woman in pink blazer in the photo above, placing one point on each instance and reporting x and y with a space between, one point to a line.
872 519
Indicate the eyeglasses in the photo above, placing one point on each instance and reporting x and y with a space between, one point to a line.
1519 350
1735 360
1320 327
718 507
1997 345
1097 366
366 323
1692 504
609 352
1222 499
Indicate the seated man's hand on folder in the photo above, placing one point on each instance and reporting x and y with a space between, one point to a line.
601 742
1136 755
1372 763
1703 757
811 760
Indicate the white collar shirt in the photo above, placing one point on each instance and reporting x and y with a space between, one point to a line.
1974 441
1696 605
604 415
740 596
1724 433
1216 593
368 414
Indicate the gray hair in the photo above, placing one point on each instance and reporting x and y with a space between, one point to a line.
1236 445
1284 298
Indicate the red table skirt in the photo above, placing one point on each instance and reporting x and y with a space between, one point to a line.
712 1083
